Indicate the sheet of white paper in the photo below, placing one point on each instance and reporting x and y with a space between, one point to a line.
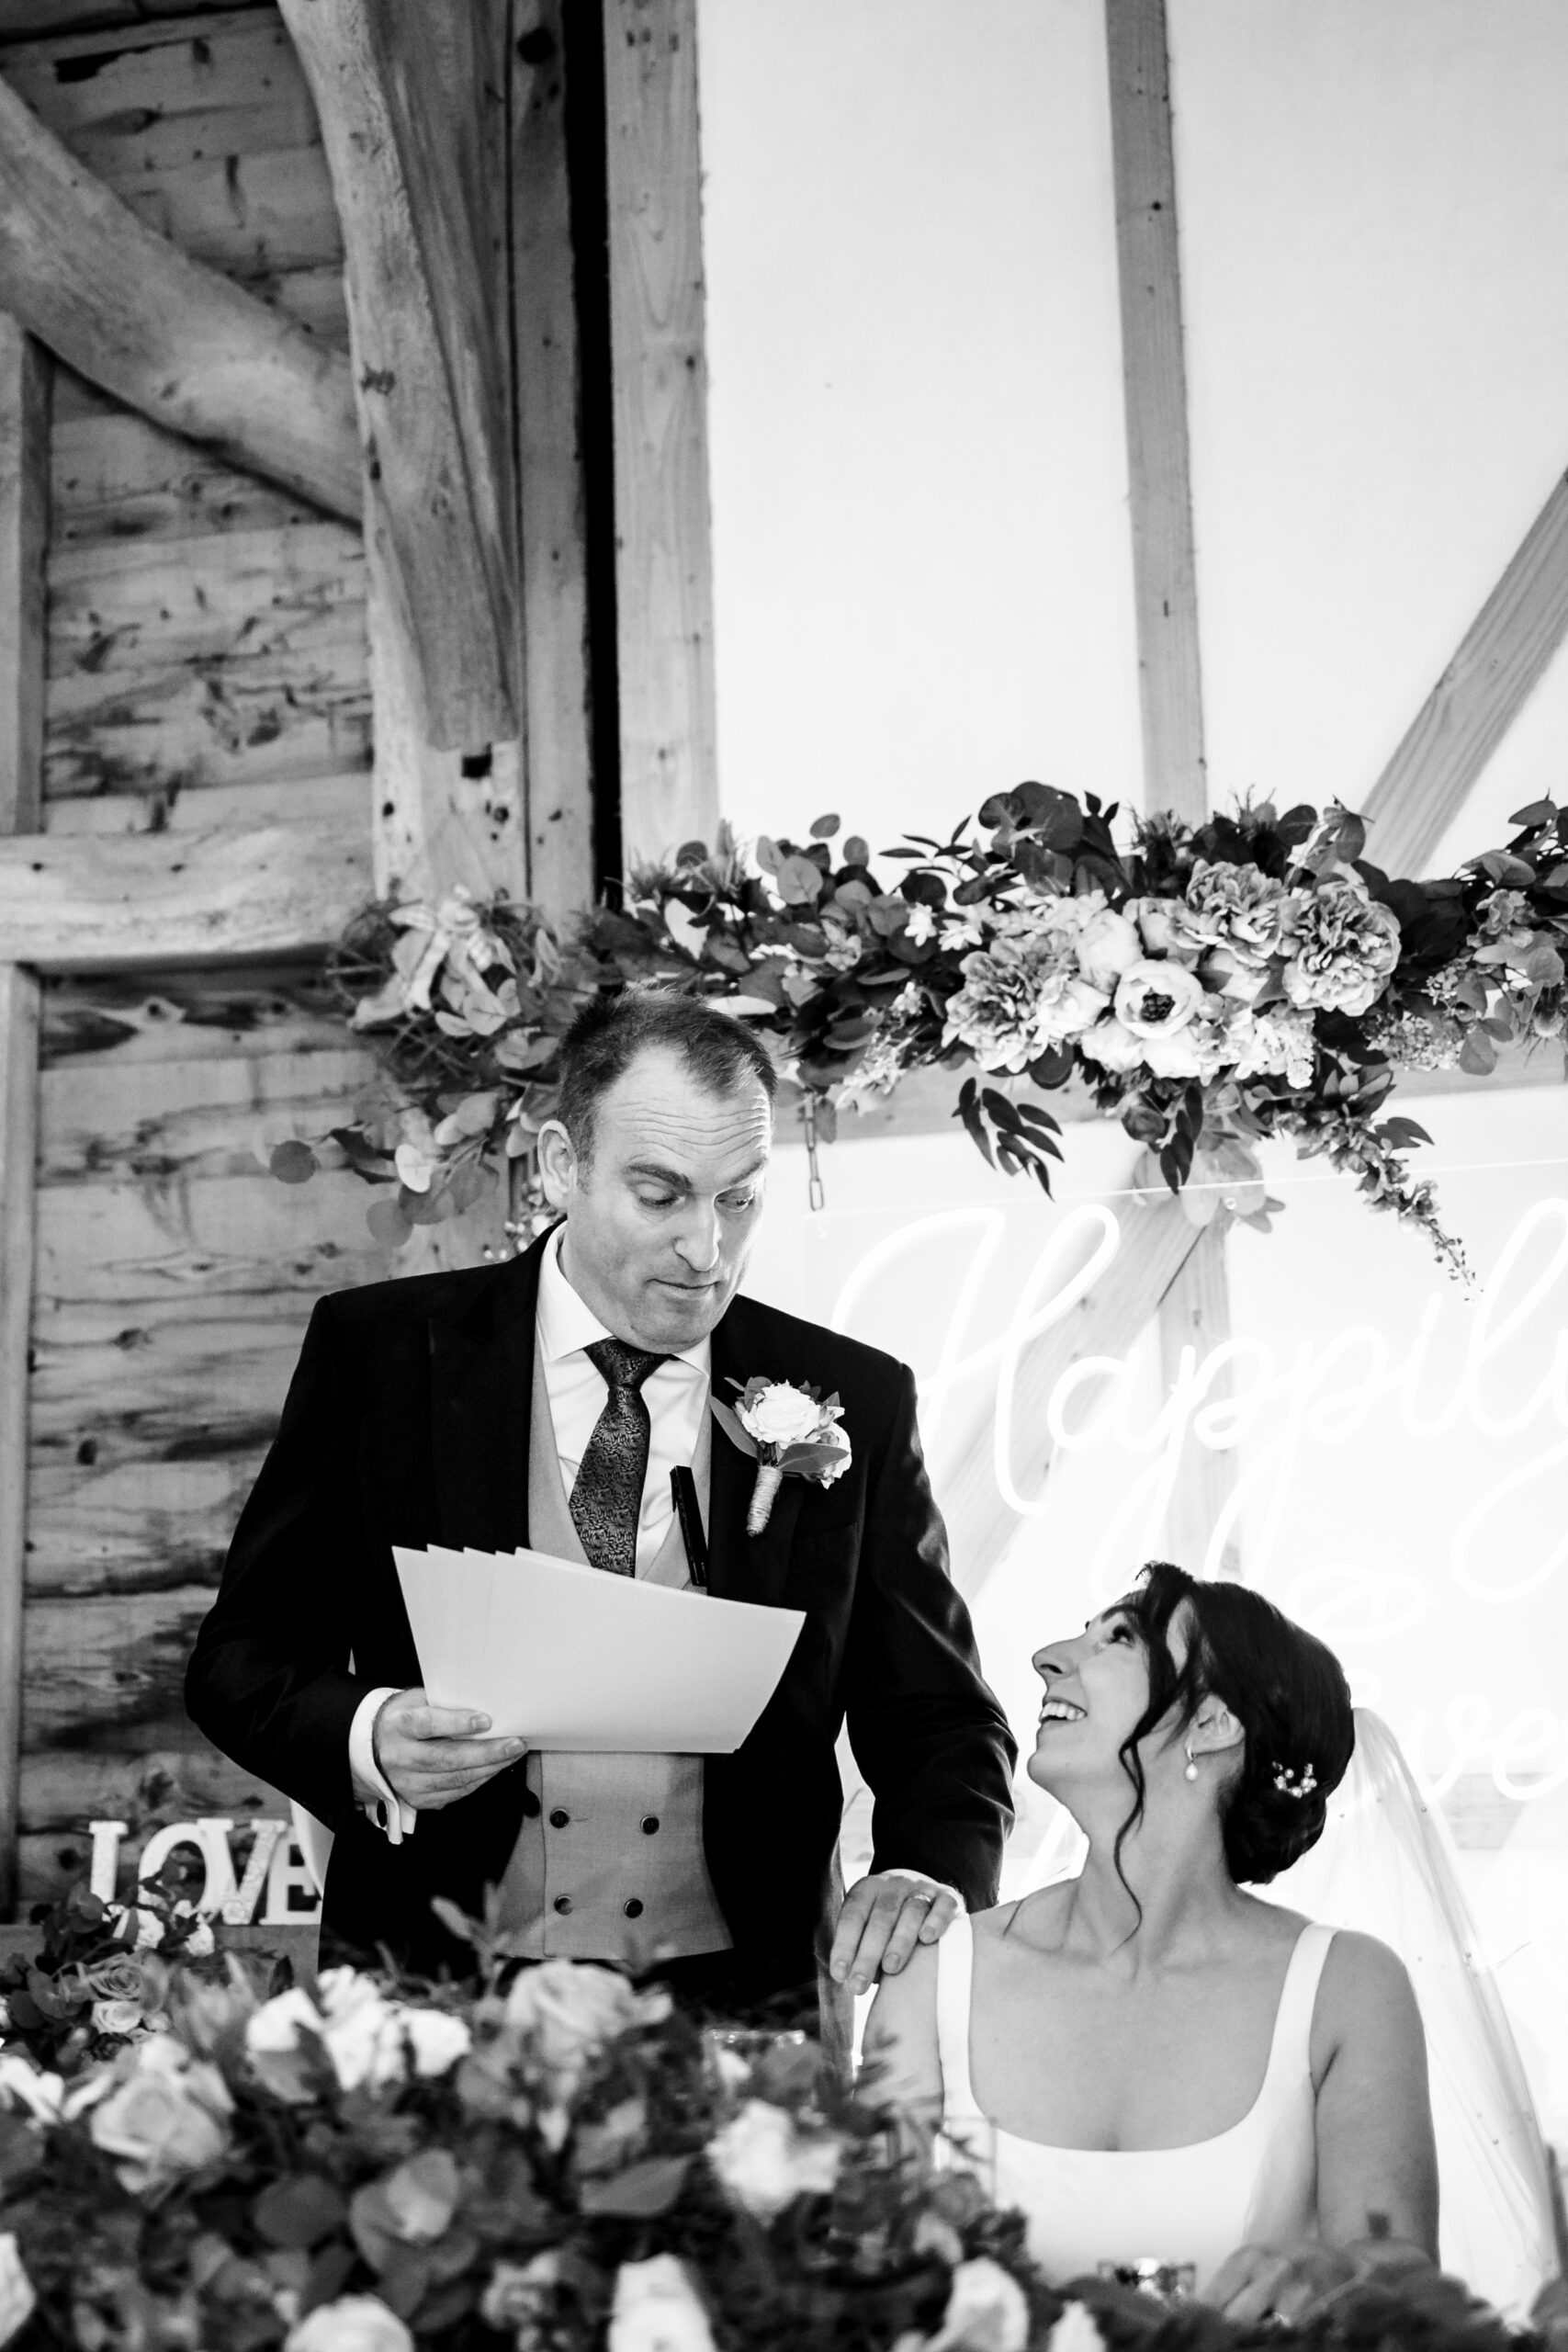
569 1658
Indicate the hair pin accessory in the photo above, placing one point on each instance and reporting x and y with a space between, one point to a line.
1295 1784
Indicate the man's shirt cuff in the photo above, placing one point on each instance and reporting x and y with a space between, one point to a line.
372 1790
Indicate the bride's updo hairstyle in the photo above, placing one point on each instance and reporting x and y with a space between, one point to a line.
1286 1688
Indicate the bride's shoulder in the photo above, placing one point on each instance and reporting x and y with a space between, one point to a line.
1365 1996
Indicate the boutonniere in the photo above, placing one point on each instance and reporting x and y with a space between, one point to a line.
790 1432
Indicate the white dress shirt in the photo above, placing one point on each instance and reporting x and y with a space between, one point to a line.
676 1394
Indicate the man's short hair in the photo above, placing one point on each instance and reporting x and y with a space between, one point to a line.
719 1052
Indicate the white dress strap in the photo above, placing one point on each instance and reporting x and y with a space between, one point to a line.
955 1994
1289 2053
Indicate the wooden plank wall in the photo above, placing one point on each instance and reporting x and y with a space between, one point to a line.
206 664
206 632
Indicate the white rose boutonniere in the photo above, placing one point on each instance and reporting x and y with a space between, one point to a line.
790 1432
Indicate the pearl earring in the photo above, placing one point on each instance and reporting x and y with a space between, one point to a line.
1191 1772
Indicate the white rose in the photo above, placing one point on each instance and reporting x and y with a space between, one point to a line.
17 2300
436 2039
765 2161
572 2008
201 1943
116 2016
1108 945
1113 1046
359 2029
1076 2331
987 2311
1154 998
656 2309
781 1415
353 2323
279 2057
41 2094
838 1442
168 2115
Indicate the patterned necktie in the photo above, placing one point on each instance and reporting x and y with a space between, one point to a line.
606 1501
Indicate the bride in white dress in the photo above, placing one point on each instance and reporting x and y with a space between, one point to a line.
1148 2061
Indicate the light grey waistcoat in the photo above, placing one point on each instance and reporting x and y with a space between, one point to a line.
611 1866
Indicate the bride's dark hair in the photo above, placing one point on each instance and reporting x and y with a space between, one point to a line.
1285 1688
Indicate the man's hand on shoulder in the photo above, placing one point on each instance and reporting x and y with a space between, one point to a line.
431 1756
885 1915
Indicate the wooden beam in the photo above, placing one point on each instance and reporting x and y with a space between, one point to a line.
19 1147
178 342
87 902
401 92
1157 1241
1498 665
550 491
664 563
24 536
1196 1313
1154 370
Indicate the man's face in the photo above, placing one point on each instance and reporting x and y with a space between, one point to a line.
660 1223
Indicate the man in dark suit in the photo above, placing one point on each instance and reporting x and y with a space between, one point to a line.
545 1400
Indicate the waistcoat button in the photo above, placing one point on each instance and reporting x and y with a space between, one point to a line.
633 1909
558 1819
563 1903
649 1824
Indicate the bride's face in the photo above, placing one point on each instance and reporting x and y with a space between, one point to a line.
1097 1688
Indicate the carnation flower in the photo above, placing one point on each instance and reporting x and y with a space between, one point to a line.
1156 997
352 2324
765 2161
987 2311
169 2114
1020 998
1278 1042
17 2300
656 2309
1234 907
1341 946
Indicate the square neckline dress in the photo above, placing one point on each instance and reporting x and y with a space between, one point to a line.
1254 2183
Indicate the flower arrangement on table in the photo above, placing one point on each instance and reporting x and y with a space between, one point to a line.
559 2165
1212 985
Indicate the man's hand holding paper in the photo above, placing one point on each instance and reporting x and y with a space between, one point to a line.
431 1756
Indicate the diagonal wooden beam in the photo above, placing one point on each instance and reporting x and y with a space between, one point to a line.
1499 662
78 902
178 342
401 93
1154 372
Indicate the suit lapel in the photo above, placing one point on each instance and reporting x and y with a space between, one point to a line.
482 1379
742 1566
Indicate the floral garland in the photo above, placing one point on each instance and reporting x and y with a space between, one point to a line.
559 2165
1212 985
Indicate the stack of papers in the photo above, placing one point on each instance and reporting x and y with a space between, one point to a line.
569 1658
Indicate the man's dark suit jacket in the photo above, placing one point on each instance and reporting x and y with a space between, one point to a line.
407 1422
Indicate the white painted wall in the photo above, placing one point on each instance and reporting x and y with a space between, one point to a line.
924 594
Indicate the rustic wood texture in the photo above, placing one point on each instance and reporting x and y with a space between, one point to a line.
19 1107
1157 1241
401 94
24 534
1499 662
664 564
20 19
175 1279
1195 1313
169 335
554 657
85 903
1154 368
